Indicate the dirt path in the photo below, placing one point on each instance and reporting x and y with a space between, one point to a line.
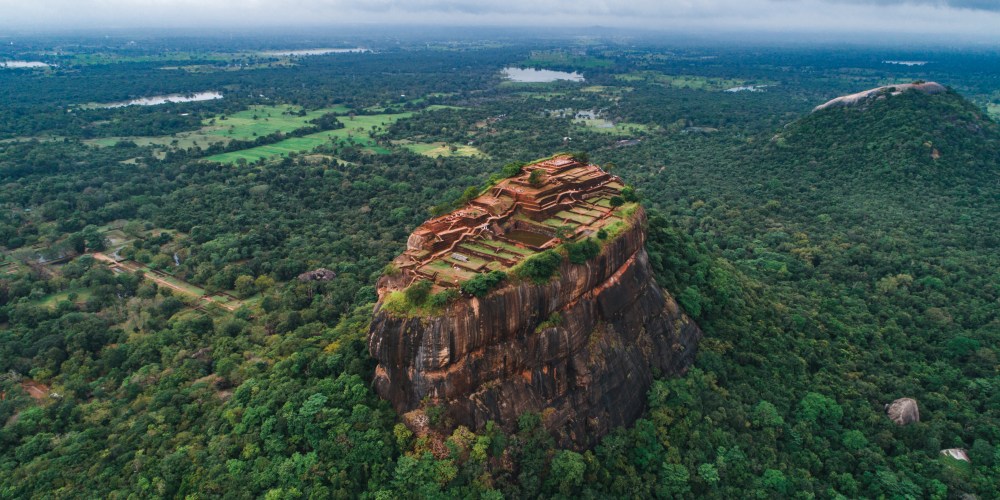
152 276
34 389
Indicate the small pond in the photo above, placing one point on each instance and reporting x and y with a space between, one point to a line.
528 238
23 64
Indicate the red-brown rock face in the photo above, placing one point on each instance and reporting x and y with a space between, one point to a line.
485 359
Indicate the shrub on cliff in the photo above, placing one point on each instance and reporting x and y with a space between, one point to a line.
481 284
417 293
580 252
539 268
442 298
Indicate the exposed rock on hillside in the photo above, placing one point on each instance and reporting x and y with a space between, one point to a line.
903 411
861 98
957 454
581 348
321 274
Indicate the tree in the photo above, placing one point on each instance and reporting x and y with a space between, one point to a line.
629 194
709 474
766 414
160 261
244 286
819 409
673 481
854 440
263 283
95 240
536 177
417 293
566 474
775 480
481 284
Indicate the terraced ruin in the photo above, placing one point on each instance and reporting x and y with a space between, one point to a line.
581 344
552 201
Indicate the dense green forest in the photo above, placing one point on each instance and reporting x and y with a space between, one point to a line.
158 337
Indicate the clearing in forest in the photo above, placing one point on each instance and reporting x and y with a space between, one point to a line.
357 130
609 127
245 125
264 120
693 82
436 149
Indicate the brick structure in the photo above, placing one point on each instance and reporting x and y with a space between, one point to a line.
511 221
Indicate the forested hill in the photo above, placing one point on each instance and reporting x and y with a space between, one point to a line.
872 235
912 161
915 138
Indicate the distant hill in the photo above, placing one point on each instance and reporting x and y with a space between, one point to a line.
864 97
921 134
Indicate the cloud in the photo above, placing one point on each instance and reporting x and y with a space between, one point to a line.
986 5
940 17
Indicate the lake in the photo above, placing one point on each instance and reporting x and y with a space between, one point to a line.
906 63
523 75
23 64
747 88
312 52
163 99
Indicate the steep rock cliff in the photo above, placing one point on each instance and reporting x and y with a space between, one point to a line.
488 359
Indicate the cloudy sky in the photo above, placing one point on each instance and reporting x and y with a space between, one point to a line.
975 18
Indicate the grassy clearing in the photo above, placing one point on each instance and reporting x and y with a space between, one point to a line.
631 77
184 286
215 68
239 126
993 110
80 296
182 140
543 95
264 120
561 59
608 127
97 58
435 107
444 149
693 82
357 130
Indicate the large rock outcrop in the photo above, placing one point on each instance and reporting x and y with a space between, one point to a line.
867 96
903 411
581 349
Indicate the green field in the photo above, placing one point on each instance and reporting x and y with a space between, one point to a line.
436 149
182 140
223 129
561 59
683 81
608 127
357 130
53 300
264 120
993 110
98 58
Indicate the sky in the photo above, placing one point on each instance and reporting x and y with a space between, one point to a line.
959 18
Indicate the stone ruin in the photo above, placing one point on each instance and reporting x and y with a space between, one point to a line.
513 220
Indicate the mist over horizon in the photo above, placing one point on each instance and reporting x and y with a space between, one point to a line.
942 20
